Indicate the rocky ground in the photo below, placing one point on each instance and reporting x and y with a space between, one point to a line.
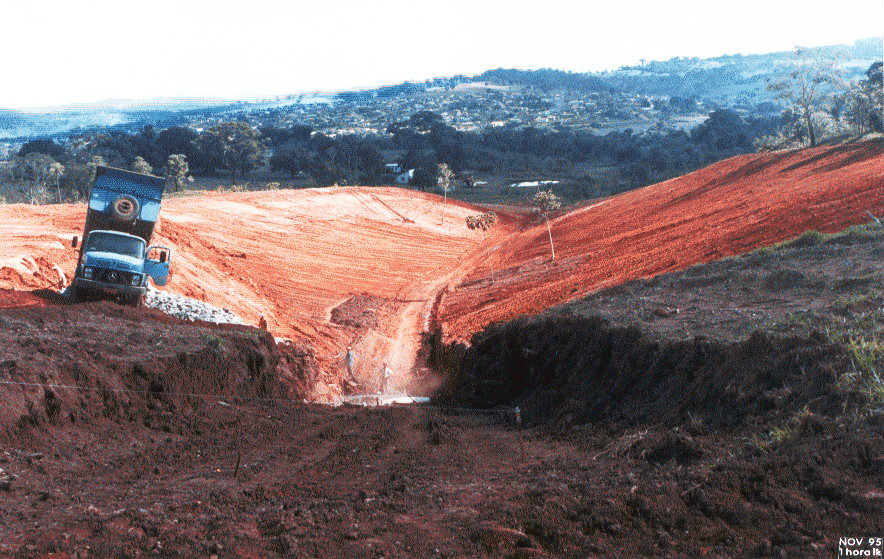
187 308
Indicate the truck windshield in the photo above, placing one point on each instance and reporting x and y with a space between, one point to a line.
108 242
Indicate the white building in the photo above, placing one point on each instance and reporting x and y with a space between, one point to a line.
405 178
532 184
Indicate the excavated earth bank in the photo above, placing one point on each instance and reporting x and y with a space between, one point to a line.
64 364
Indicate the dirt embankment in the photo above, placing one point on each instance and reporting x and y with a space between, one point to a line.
728 208
64 365
580 370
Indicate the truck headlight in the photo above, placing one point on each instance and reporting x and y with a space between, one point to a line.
87 272
136 279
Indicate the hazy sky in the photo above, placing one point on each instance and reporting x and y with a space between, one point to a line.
64 51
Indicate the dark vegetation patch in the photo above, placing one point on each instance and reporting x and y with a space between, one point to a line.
573 370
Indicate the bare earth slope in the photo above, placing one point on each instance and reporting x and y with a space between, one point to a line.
368 266
728 208
294 256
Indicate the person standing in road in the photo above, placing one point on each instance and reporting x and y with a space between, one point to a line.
385 379
350 363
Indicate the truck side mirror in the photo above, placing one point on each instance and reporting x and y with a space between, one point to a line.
163 256
74 242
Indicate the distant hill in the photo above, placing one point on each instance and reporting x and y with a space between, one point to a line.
113 115
733 81
546 79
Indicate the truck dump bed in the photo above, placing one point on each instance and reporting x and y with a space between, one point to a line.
124 201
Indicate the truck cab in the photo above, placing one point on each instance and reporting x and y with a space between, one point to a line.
117 265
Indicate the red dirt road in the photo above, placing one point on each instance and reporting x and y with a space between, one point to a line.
728 208
297 256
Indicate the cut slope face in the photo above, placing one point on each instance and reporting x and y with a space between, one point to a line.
294 256
728 208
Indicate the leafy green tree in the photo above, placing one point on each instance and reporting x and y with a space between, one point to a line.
176 171
47 147
142 166
423 178
723 131
862 106
545 202
808 87
181 140
291 159
236 145
76 180
424 121
873 87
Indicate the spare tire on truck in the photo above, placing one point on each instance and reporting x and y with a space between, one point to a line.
125 208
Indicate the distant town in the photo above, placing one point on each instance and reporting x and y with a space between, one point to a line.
584 135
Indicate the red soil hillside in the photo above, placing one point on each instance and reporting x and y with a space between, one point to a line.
380 254
368 266
728 208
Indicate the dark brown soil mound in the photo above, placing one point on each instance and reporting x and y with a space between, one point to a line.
65 364
578 370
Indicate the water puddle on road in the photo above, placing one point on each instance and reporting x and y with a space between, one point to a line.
380 400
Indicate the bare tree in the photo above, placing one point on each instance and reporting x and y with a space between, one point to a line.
545 202
443 179
808 86
56 170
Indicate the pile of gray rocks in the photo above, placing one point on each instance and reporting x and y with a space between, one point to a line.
188 309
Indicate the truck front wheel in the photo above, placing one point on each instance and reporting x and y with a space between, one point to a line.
80 295
134 301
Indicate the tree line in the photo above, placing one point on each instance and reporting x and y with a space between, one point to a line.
47 171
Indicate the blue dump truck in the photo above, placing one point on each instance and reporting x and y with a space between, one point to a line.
115 259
